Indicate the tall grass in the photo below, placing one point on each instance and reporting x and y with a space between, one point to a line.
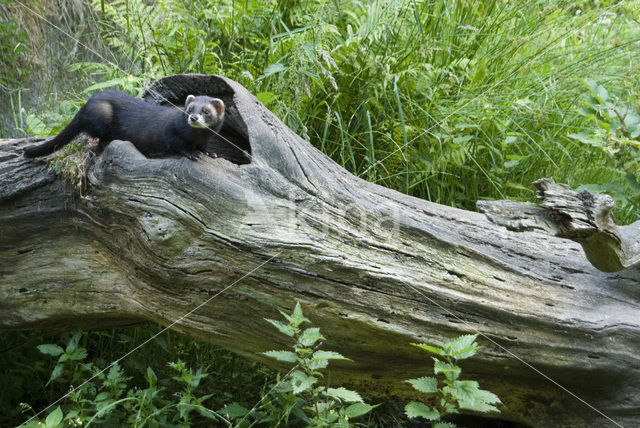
448 101
35 56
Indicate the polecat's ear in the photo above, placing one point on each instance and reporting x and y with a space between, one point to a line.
218 105
189 100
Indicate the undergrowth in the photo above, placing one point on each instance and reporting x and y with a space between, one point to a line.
129 392
171 381
451 393
297 399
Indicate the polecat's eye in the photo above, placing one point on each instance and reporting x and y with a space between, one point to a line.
190 110
206 113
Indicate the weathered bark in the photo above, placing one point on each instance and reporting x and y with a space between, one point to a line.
582 217
151 239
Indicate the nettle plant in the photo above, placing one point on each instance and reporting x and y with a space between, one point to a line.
106 399
454 394
616 136
297 398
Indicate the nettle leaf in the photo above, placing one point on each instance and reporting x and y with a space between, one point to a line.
310 336
318 364
464 341
50 349
424 384
78 354
328 355
344 394
54 418
478 406
588 138
488 397
301 381
432 349
72 345
55 373
115 373
356 410
286 356
632 123
234 411
596 89
197 377
463 346
587 110
102 396
37 126
471 397
282 328
480 401
451 371
416 409
462 389
297 315
296 318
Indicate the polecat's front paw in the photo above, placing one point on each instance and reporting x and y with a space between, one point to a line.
210 154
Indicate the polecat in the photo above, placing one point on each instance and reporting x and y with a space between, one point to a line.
153 129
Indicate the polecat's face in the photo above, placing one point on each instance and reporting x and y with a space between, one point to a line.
204 112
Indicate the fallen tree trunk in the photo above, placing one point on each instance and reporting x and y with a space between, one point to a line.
274 221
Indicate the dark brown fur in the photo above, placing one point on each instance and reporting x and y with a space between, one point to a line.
155 130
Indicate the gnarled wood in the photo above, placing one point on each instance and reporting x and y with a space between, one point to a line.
582 217
151 239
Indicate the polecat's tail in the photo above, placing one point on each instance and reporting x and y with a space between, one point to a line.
55 143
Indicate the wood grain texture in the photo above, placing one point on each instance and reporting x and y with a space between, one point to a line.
375 269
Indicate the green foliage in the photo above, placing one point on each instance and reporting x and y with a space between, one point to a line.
105 397
452 393
13 45
296 398
451 102
51 122
617 137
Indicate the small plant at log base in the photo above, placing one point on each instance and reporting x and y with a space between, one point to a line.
297 398
107 400
454 393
